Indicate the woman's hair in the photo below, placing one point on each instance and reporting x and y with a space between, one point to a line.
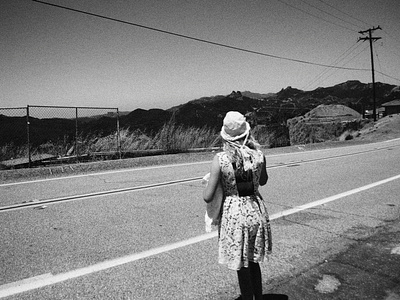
252 143
233 148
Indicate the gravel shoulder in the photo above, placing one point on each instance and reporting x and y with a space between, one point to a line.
7 176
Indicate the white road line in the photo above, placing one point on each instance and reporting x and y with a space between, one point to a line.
392 140
95 194
49 279
332 198
28 282
186 164
104 173
178 165
138 188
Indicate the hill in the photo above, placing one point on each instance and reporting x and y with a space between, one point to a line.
276 108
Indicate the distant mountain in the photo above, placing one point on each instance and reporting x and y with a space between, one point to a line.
278 107
148 121
209 111
349 90
257 95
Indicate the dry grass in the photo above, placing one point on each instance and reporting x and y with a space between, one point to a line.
178 138
169 137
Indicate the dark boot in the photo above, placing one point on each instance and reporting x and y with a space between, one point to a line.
245 284
255 273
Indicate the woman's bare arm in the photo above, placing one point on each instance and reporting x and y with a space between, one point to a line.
215 175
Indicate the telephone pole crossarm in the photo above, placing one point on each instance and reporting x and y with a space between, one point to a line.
371 29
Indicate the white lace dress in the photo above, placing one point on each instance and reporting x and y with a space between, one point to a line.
244 230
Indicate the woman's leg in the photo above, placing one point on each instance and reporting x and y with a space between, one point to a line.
255 273
245 284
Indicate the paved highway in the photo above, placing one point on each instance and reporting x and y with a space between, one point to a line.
139 233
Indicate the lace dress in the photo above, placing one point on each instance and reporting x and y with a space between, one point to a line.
244 230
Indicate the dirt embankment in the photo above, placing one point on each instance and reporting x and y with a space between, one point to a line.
324 123
332 122
386 128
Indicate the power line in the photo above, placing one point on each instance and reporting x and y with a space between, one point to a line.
331 6
355 55
388 76
393 52
393 39
339 60
335 62
351 59
316 16
328 13
377 58
380 66
198 39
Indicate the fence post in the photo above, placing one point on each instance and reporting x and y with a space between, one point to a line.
28 136
76 134
118 136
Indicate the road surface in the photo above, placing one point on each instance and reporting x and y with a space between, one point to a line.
139 233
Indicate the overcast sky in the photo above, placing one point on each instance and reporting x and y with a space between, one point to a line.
53 56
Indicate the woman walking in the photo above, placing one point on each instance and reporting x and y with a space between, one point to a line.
244 229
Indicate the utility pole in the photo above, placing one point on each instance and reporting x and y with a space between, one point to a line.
371 39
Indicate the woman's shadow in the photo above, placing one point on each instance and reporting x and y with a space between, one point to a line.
271 297
275 297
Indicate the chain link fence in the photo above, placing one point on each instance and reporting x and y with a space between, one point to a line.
34 135
13 135
41 135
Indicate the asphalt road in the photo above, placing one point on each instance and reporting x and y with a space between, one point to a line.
139 233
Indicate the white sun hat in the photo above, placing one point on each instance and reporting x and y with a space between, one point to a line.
235 126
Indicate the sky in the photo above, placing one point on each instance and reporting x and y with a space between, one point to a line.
54 56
